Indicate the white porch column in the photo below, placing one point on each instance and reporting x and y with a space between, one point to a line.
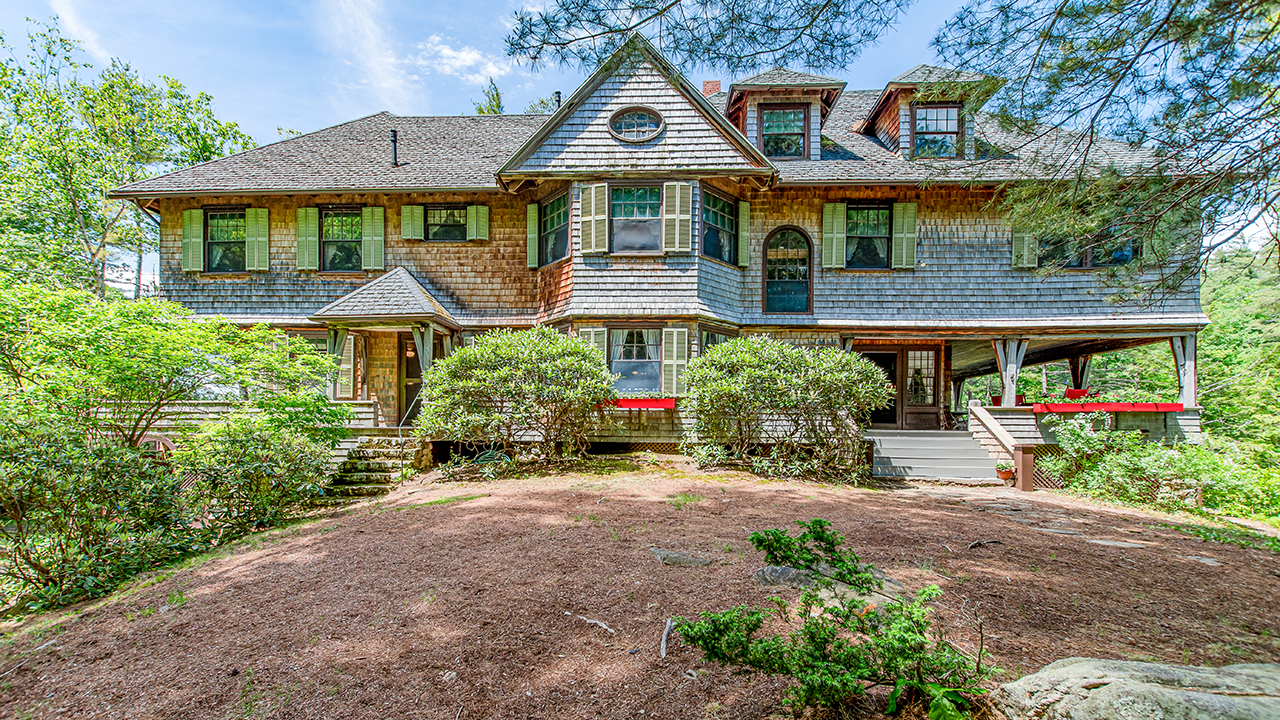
1184 360
1009 355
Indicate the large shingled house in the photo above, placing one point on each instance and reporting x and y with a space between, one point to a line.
654 219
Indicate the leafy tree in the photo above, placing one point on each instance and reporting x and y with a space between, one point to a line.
534 389
69 137
542 106
116 369
1192 81
492 104
740 37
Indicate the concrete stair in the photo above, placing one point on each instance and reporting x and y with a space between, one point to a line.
366 467
931 454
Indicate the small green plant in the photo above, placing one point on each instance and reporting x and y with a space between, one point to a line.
843 646
680 501
1004 465
176 600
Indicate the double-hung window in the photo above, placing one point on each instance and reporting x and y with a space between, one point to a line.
937 131
226 241
446 224
786 272
340 238
719 229
553 225
636 355
868 237
635 219
782 131
1101 251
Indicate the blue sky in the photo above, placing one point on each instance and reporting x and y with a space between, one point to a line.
308 64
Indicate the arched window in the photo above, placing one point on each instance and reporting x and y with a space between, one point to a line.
786 272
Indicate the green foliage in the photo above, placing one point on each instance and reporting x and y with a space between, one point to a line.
78 517
533 391
251 473
68 138
782 409
492 104
542 106
1239 537
837 649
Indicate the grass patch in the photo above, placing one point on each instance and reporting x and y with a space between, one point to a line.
466 471
680 501
1230 535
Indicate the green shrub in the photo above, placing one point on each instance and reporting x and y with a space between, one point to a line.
524 392
78 518
842 647
782 409
251 473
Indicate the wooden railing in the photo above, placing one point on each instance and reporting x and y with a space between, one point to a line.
993 427
365 413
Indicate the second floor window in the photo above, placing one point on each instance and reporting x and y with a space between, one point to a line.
867 237
553 226
782 131
1103 252
636 355
446 224
786 273
937 131
226 241
635 219
719 229
340 240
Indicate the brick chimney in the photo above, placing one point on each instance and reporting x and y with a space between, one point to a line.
710 87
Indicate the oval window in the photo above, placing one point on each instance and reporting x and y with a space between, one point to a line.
635 124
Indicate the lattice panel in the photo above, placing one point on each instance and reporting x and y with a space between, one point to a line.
659 448
1039 478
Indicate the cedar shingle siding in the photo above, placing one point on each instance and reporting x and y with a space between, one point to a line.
963 288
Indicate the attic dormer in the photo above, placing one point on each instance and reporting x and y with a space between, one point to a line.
781 112
921 113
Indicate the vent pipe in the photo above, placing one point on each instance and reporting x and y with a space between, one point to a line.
395 159
556 95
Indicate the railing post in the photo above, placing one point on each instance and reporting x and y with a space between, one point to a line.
1024 467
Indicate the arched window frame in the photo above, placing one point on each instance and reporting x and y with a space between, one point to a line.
764 272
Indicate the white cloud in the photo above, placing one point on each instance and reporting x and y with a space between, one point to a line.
75 26
354 30
472 65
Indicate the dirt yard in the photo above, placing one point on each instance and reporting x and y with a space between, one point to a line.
413 607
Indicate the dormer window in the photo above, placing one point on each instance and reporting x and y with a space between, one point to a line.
937 131
783 131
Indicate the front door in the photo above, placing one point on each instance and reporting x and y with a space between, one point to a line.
410 379
913 371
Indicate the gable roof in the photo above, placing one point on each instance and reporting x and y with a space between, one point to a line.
780 76
395 296
583 107
435 153
933 73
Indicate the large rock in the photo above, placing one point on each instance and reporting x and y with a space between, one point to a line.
800 579
1085 689
681 559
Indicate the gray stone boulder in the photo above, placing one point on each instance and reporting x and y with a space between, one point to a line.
772 575
681 559
1085 689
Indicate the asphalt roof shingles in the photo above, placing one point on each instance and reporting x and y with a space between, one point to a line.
395 295
781 76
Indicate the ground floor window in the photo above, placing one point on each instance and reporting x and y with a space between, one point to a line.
921 376
636 355
711 338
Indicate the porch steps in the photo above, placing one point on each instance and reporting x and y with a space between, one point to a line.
368 466
932 455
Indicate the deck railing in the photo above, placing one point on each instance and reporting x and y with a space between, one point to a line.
365 413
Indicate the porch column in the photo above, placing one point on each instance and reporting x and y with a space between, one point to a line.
1080 371
957 387
423 341
1009 355
1184 360
337 338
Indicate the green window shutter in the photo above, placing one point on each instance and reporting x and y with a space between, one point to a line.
675 355
531 235
308 238
373 237
677 217
257 251
411 222
346 367
744 234
193 239
834 221
904 236
477 222
1025 255
593 226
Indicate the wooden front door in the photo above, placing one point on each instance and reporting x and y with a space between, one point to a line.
913 370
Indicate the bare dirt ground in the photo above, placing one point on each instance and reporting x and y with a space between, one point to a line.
473 608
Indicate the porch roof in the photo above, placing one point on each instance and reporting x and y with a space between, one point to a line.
394 297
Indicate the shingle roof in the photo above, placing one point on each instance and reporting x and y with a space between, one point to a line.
434 152
396 295
932 73
785 76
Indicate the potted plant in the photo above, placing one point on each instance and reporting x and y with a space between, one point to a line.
1004 469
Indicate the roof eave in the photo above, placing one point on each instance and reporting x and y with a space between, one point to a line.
407 319
123 194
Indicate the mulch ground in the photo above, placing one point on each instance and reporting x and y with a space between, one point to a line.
474 608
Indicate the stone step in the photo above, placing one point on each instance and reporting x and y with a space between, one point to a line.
384 466
365 490
364 478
